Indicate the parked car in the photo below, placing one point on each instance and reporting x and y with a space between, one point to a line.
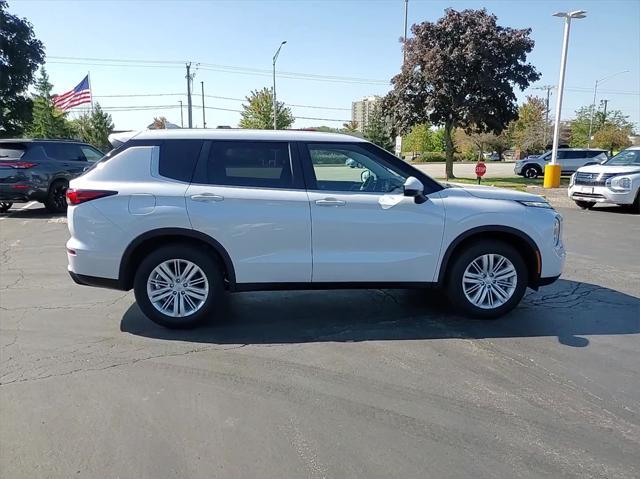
40 170
616 181
570 159
198 212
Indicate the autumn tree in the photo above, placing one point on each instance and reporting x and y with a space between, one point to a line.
460 72
530 130
20 55
258 112
612 138
582 120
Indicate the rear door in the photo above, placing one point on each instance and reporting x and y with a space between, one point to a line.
68 158
250 197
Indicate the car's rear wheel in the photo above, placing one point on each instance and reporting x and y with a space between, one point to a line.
56 201
531 171
178 286
5 206
487 279
585 205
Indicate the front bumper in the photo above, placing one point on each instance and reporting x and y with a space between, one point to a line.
20 193
517 169
600 194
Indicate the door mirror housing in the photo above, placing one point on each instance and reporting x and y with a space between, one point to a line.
414 187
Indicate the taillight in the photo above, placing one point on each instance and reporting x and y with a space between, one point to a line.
75 197
18 165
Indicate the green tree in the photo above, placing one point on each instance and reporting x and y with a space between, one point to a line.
48 121
20 55
612 137
377 129
94 128
580 124
460 73
258 112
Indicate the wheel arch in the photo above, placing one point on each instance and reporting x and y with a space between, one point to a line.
134 253
521 241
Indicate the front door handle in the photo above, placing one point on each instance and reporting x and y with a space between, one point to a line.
207 197
330 202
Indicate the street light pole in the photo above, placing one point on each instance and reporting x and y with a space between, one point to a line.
404 40
553 170
275 57
593 104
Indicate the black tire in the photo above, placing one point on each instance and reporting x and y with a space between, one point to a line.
56 201
464 258
202 259
531 171
635 207
585 205
5 206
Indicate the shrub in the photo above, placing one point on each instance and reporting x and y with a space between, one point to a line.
430 156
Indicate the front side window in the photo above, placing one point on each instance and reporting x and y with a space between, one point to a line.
91 154
261 164
625 158
345 167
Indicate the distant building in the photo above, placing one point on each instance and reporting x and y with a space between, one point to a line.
361 110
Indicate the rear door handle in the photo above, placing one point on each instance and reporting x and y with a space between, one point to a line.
207 197
330 202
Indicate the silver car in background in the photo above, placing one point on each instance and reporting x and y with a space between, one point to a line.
570 159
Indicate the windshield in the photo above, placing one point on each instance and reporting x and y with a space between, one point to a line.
625 158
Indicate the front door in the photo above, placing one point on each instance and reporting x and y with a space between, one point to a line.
363 227
249 197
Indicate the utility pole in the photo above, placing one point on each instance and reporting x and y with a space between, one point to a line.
593 104
548 88
204 121
181 115
604 113
189 78
404 41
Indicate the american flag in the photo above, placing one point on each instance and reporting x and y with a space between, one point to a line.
79 95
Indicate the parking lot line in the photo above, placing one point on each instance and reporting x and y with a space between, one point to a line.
25 207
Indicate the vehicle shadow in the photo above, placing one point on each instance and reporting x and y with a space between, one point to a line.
567 310
31 213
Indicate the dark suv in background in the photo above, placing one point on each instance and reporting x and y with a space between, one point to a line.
40 170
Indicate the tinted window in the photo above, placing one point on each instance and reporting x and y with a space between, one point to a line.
593 154
91 154
178 158
562 154
344 167
64 151
249 163
575 155
11 151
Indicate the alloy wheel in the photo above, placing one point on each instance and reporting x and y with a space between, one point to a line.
177 288
489 281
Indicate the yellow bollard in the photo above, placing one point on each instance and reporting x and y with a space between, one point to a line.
552 176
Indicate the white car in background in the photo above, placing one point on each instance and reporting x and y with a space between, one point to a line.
569 159
616 181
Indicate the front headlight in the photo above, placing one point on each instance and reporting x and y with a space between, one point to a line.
619 183
572 180
557 231
535 204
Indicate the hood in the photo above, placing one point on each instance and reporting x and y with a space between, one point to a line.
493 193
619 169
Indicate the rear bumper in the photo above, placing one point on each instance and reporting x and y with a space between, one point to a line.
97 282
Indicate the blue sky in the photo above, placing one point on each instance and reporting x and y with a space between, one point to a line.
344 38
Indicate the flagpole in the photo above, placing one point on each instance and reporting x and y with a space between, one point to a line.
90 90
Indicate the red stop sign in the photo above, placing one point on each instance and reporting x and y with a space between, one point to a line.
481 169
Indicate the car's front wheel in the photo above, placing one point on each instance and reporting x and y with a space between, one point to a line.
487 279
531 171
585 205
178 286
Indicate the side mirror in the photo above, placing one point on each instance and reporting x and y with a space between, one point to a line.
414 187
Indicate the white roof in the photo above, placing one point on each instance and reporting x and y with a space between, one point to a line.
242 134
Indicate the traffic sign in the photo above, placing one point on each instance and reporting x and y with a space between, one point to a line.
481 169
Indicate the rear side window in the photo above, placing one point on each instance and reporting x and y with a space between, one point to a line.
178 158
249 163
11 151
64 151
593 154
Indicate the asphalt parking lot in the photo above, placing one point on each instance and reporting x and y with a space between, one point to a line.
374 383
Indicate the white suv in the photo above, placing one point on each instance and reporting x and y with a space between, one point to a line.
180 216
569 159
617 181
